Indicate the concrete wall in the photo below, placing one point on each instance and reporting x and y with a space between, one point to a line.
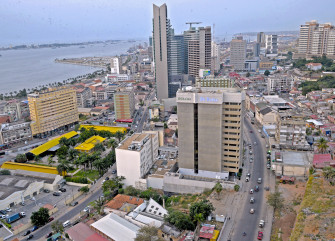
128 165
155 182
289 170
173 183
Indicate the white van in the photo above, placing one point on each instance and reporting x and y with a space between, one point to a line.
66 223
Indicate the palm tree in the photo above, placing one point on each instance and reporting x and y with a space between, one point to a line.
100 166
119 135
322 145
63 167
98 204
218 189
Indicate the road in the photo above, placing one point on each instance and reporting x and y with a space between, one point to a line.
249 222
145 111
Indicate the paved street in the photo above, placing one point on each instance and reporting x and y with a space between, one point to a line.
240 218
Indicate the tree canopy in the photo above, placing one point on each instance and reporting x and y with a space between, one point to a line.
148 233
40 217
181 220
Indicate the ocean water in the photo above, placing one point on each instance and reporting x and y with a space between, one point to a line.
29 68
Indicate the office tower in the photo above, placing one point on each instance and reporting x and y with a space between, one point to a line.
271 44
261 39
210 129
177 56
320 39
161 38
150 41
198 49
306 36
52 109
238 48
173 88
115 65
257 49
124 103
215 65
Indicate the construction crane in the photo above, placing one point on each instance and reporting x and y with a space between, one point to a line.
190 23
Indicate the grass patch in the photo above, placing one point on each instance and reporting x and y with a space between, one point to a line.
73 170
91 174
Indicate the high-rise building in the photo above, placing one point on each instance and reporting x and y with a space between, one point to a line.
261 39
177 56
215 65
317 39
211 81
124 103
210 123
238 49
271 44
83 95
161 38
115 65
198 49
52 109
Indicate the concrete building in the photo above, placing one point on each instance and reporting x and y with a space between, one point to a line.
161 37
238 48
15 133
210 129
52 109
115 65
211 81
279 83
198 42
177 57
271 44
124 103
261 39
317 39
135 156
215 65
82 96
14 109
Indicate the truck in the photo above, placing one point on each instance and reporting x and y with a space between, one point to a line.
15 217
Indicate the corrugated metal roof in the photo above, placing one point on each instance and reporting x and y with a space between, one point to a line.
90 143
46 146
112 129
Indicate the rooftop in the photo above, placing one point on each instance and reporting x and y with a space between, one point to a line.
82 232
135 142
90 143
294 158
118 201
322 160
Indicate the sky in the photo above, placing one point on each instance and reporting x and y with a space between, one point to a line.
47 21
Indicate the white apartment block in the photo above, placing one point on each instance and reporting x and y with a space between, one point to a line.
271 44
15 133
82 96
115 65
135 156
281 83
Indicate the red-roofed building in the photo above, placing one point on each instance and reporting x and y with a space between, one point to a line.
314 66
82 232
206 232
4 119
122 204
323 160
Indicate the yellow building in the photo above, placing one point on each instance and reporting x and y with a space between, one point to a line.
112 129
124 103
89 144
29 167
52 110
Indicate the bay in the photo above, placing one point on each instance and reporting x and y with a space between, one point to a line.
29 68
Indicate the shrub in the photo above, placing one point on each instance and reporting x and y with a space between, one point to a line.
5 172
82 180
236 188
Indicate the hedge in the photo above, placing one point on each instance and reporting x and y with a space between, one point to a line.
82 180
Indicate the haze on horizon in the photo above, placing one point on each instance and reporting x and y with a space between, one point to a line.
48 21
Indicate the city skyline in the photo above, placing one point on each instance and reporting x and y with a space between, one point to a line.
46 21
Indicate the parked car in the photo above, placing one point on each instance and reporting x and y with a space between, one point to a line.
252 200
26 233
250 131
34 228
62 189
256 188
87 209
247 179
8 210
107 178
74 203
252 211
66 223
114 172
46 191
48 235
259 180
30 237
3 216
50 219
56 194
3 212
268 166
260 235
261 223
251 191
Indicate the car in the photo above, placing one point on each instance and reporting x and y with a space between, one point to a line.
250 160
248 175
267 146
30 237
260 235
247 179
252 211
268 166
87 209
74 203
50 219
103 181
22 214
250 152
259 130
8 210
26 233
46 191
251 191
22 203
62 189
250 131
107 178
256 188
48 235
34 228
114 172
259 180
56 194
261 223
252 200
2 216
3 212
66 223
263 136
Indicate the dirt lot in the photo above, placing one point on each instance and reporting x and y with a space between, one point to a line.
284 222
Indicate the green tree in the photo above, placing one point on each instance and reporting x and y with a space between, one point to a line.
72 154
21 158
99 147
148 233
275 200
119 135
131 191
64 142
181 220
204 207
84 189
236 188
98 205
62 152
63 167
218 189
37 158
329 174
322 145
76 127
57 227
40 217
266 72
100 166
113 184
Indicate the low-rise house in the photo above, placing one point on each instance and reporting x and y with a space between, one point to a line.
82 232
314 66
122 204
323 160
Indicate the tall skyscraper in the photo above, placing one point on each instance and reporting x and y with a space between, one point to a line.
210 129
115 65
261 39
271 44
198 49
317 39
215 65
52 109
161 38
238 49
177 55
